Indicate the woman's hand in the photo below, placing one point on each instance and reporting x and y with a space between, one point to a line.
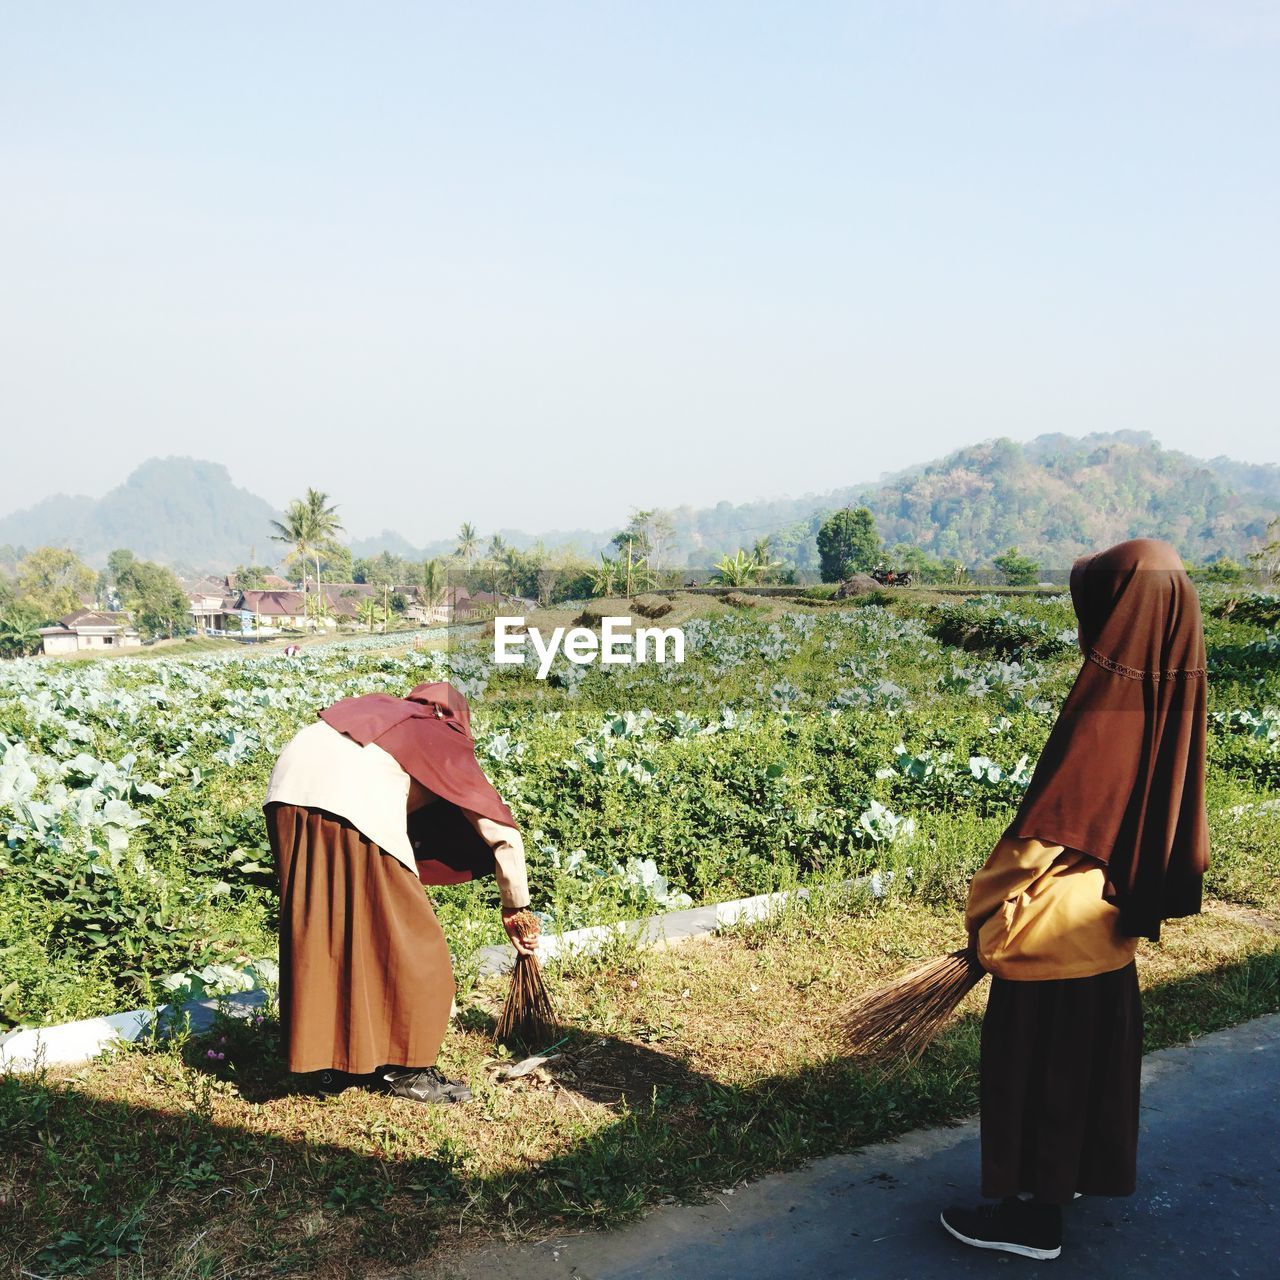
522 928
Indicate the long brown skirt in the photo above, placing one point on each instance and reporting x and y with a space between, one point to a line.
365 974
1061 1067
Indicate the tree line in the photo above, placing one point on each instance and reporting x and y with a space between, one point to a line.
40 586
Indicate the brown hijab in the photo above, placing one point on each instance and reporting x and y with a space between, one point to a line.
1121 777
428 734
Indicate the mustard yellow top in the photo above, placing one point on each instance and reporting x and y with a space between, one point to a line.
1039 914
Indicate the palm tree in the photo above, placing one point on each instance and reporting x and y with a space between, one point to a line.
435 581
310 525
293 531
324 522
513 564
497 549
762 557
468 543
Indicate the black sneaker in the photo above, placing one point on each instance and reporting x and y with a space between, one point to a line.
422 1084
1015 1226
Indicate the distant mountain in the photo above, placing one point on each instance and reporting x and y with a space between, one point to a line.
1054 498
1059 496
178 511
588 541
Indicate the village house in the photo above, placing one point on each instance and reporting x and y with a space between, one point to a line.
271 610
288 608
209 602
90 629
282 607
460 604
427 615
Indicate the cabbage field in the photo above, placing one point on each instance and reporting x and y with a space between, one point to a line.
886 740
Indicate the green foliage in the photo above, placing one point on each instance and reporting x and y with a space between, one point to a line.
53 582
309 528
250 577
468 543
788 746
1261 608
1266 558
1224 569
623 576
848 543
336 564
738 570
19 632
1018 570
384 569
153 595
432 581
1005 631
634 541
369 612
119 562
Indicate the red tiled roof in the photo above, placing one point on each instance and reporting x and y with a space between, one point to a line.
273 604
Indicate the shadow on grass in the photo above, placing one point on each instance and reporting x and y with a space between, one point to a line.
88 1183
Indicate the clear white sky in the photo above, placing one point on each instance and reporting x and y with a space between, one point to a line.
531 264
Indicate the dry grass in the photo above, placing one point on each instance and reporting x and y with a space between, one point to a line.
682 1070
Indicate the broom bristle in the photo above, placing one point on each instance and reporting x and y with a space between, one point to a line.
528 1017
895 1023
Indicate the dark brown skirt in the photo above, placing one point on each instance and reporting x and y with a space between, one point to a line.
1061 1067
365 974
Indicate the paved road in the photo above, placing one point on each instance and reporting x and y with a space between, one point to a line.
1207 1206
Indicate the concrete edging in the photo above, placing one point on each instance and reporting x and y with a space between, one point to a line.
67 1043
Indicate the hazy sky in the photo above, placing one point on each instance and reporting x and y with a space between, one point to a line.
532 264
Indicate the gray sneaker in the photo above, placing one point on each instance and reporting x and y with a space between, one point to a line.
421 1084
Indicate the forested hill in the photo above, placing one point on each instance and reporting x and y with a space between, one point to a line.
1053 498
1057 497
178 511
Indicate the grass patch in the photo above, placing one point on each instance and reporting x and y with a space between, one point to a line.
684 1071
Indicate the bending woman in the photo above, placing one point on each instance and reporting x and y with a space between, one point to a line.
377 798
1110 839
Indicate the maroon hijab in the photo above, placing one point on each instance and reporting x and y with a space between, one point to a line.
429 736
1121 777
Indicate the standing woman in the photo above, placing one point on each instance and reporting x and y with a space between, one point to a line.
378 797
1110 839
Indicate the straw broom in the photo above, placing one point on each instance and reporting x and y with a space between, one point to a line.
528 1016
894 1024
